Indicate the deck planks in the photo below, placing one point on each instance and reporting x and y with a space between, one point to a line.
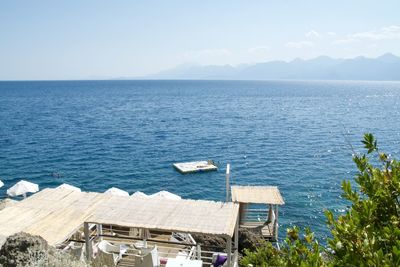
54 214
195 166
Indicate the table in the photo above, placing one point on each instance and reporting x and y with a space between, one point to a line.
173 262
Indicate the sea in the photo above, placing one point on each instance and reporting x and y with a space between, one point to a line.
297 135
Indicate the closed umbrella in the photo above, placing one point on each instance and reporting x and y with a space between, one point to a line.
166 195
22 188
69 187
117 192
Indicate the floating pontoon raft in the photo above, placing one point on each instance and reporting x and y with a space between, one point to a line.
195 166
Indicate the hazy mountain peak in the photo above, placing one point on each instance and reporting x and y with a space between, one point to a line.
388 57
323 57
297 60
323 67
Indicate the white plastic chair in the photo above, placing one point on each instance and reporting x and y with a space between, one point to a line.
111 251
75 250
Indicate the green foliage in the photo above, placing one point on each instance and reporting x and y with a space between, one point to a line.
265 255
304 251
296 250
368 234
369 142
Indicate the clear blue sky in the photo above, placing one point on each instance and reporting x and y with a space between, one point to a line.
106 39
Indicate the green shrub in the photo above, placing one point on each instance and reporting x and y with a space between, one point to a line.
296 250
264 255
368 234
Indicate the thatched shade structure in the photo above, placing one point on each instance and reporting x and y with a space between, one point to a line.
261 220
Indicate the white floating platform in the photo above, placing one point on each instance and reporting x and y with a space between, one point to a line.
195 166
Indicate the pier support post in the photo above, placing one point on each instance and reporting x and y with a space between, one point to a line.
228 170
276 223
229 250
88 245
236 247
99 231
198 250
243 212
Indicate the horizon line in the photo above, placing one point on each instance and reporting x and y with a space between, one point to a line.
199 80
147 77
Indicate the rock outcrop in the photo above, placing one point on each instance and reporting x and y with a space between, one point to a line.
23 249
247 240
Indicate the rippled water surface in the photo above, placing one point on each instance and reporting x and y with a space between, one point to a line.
98 134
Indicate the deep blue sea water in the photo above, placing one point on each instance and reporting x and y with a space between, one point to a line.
98 134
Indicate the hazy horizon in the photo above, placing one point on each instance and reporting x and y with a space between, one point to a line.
189 65
77 40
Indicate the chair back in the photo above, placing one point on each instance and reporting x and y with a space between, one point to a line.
76 251
104 259
148 259
144 261
108 247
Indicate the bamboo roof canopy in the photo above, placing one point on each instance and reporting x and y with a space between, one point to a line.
55 214
191 216
257 195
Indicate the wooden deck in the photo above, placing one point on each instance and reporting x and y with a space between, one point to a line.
196 166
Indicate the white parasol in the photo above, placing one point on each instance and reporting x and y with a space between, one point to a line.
117 192
166 195
22 188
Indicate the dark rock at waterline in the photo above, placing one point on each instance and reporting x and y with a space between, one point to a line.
210 243
247 240
23 249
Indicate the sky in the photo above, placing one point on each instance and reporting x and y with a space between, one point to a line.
58 40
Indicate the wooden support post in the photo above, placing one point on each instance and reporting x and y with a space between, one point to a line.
228 170
276 223
229 250
270 210
235 257
242 211
88 244
198 250
100 231
145 237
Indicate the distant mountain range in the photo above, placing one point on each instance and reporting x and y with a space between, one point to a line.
385 67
